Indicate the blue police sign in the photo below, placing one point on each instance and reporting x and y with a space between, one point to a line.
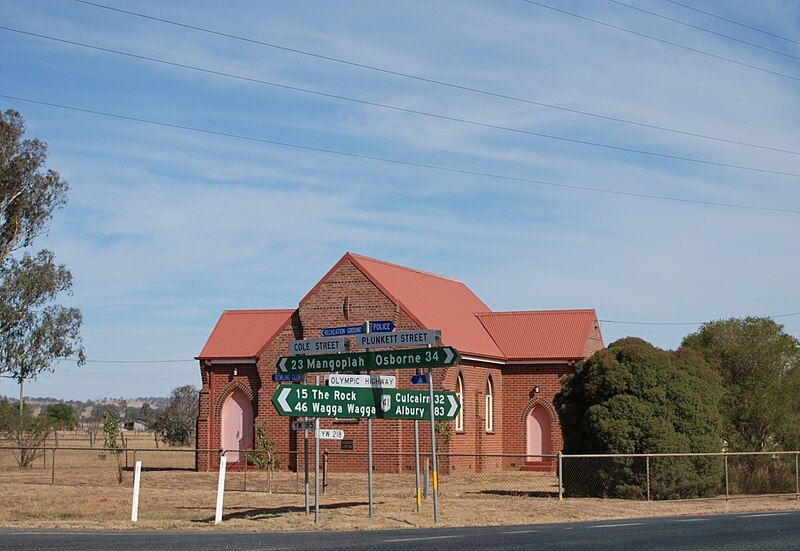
381 326
386 326
419 379
287 377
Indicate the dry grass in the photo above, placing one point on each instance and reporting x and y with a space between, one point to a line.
191 507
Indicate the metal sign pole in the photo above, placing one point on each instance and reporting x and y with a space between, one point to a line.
433 450
369 451
316 466
305 467
416 460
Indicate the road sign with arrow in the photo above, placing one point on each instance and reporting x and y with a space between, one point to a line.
363 403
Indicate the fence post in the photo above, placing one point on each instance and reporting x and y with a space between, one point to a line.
797 475
134 456
727 491
648 478
560 476
269 471
324 471
244 481
53 467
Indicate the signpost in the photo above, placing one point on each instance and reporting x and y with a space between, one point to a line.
398 338
330 434
362 381
410 358
363 403
350 395
386 326
318 346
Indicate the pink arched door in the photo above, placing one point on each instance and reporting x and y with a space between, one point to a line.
237 425
538 432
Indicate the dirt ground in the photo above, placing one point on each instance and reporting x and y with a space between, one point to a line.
45 506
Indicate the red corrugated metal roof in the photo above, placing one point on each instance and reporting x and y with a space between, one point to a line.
243 333
434 302
540 335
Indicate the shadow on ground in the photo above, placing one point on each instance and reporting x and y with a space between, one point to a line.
262 513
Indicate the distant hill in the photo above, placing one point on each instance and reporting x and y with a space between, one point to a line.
127 408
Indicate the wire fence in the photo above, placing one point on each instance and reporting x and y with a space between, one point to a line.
651 477
662 477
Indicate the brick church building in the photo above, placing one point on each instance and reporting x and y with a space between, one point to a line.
510 370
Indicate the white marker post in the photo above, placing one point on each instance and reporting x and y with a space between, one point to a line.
223 461
137 477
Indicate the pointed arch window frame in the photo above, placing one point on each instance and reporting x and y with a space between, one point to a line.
489 405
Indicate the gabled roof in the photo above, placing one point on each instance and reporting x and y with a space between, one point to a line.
241 334
541 334
434 302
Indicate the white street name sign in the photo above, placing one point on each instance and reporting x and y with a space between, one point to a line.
363 381
330 434
303 425
318 346
398 338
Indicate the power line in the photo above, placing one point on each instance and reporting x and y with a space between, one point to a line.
662 41
125 361
745 25
400 162
436 81
405 109
703 29
686 322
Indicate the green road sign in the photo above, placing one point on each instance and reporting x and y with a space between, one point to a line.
442 356
362 403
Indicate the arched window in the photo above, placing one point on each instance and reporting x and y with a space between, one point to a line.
460 394
489 406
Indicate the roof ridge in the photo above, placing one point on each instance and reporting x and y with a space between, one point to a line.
395 265
258 311
517 312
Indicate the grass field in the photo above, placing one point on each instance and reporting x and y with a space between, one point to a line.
47 507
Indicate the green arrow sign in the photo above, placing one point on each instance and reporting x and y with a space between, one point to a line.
411 358
362 403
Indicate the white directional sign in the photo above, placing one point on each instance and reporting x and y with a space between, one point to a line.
318 346
330 434
398 338
363 381
303 425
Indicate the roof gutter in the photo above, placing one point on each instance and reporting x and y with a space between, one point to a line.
516 362
229 361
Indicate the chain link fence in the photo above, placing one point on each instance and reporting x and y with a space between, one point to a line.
660 477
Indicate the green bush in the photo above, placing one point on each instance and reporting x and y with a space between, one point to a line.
635 398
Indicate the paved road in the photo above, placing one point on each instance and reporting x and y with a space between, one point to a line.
762 531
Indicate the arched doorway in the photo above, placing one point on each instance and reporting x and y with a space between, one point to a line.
237 425
538 434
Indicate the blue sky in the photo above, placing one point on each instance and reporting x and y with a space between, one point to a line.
166 228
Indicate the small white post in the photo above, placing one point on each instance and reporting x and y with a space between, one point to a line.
220 488
137 477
